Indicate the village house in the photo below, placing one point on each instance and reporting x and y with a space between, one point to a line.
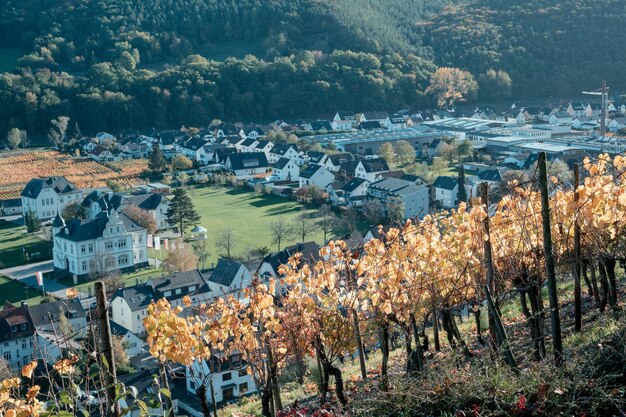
133 345
286 170
109 242
344 121
617 124
48 317
334 162
193 148
445 191
46 197
230 378
103 154
415 198
247 165
560 119
371 169
285 150
16 335
228 277
355 191
129 306
375 116
316 175
316 157
271 264
577 110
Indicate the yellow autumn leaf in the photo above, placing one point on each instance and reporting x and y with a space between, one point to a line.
27 370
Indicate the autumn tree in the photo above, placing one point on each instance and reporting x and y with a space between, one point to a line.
181 163
14 137
142 217
387 151
181 211
57 132
405 152
451 85
180 257
495 85
395 209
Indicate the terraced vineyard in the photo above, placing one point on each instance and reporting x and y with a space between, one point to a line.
17 168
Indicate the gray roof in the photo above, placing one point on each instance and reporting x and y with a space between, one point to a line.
282 163
341 158
353 184
446 183
179 280
12 317
282 148
492 174
137 297
310 253
375 165
309 171
225 272
59 184
147 202
82 230
395 186
248 160
69 308
375 115
118 329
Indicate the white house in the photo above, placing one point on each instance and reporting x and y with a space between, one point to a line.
131 342
334 162
415 198
271 264
193 148
155 204
228 277
46 197
16 335
371 168
47 317
129 306
102 154
577 110
230 378
617 124
354 191
560 119
247 165
316 175
376 116
445 191
109 242
103 137
286 170
344 120
285 150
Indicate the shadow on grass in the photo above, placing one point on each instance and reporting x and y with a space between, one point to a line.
268 201
14 292
237 191
283 210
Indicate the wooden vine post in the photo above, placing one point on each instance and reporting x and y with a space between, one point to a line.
107 361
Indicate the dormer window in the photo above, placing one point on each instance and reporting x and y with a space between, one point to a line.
13 329
24 326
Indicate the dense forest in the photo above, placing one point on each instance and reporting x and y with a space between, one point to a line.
155 63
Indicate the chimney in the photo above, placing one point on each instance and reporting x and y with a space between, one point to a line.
24 304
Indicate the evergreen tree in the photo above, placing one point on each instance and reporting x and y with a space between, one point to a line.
181 212
33 224
157 162
462 193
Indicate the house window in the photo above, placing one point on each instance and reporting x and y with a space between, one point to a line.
110 262
13 329
227 376
24 345
122 260
83 248
84 266
192 288
167 293
243 388
178 291
7 356
138 318
242 372
108 245
91 248
23 326
121 243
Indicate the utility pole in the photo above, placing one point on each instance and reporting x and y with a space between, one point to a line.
604 93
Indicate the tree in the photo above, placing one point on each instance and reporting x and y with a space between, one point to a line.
373 211
450 85
181 212
201 249
32 222
157 162
74 210
462 192
126 61
142 217
387 152
280 231
464 149
447 151
119 352
303 226
226 241
180 257
405 152
495 85
14 137
181 163
395 209
57 132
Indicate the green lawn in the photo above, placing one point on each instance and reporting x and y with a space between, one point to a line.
16 246
9 57
247 214
15 292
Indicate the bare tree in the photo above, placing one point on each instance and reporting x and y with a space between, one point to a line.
280 231
201 249
304 226
57 132
226 241
373 211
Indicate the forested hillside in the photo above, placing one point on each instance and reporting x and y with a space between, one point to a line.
155 63
549 47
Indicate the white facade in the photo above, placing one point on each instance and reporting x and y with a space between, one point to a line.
229 381
47 203
322 177
290 171
17 352
116 249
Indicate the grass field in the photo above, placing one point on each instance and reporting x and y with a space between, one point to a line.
248 215
15 292
9 57
14 242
